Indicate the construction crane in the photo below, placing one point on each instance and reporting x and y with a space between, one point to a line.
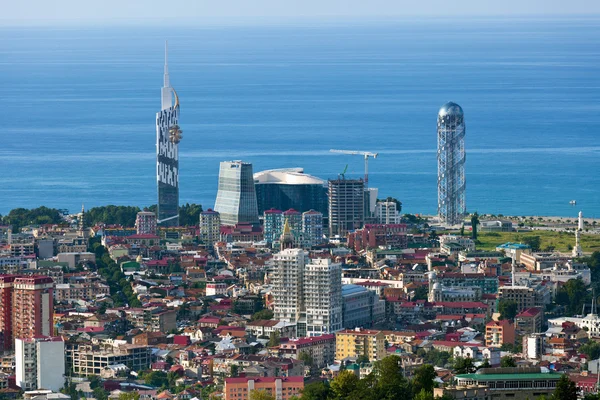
365 154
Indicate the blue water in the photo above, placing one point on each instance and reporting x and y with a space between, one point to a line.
78 108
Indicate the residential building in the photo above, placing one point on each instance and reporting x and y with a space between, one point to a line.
540 261
33 307
312 228
6 310
288 280
471 392
524 296
387 212
80 291
322 297
86 360
40 363
265 327
281 388
374 235
152 319
168 136
353 343
533 346
272 224
321 349
512 383
529 321
451 164
346 205
145 223
210 226
498 333
361 307
486 282
236 195
290 188
514 250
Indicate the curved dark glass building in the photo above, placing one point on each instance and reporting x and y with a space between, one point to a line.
451 164
284 189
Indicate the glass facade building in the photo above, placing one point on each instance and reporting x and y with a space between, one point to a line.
236 196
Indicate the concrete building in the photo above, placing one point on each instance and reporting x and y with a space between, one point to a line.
512 383
236 196
538 295
272 224
323 297
495 226
40 363
540 261
6 311
529 321
498 333
290 188
320 348
312 228
514 250
168 136
86 360
145 223
374 235
307 293
74 259
80 291
346 205
280 388
471 392
210 227
353 343
288 279
533 346
361 307
33 307
387 212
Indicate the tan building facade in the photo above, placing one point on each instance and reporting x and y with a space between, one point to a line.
353 343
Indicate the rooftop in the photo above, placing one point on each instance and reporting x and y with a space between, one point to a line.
286 176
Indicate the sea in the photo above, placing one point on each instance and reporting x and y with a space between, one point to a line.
78 107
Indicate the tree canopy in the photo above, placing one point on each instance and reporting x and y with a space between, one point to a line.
508 309
20 217
112 215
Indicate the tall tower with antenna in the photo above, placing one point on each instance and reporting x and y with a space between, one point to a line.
451 164
168 136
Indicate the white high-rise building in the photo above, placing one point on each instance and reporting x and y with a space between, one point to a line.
307 293
210 226
323 297
145 223
40 363
288 281
387 212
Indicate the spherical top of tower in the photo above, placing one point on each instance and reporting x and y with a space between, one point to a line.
450 109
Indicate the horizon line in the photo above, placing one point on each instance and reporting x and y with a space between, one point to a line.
209 21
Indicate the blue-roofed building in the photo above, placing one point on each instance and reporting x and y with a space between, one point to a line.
514 250
361 307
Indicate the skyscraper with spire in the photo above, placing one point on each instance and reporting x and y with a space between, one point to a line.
168 136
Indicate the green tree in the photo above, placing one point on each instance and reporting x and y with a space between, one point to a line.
129 396
485 364
362 359
474 223
273 339
112 215
305 358
507 361
566 389
423 379
20 217
463 365
234 370
315 391
533 241
262 314
261 395
390 381
507 309
344 385
591 349
100 394
189 214
156 379
423 395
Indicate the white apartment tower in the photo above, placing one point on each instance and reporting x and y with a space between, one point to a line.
40 363
323 297
387 212
308 293
288 281
210 226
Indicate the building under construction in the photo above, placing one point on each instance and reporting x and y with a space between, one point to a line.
346 205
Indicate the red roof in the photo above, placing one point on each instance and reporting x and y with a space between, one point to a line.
529 312
143 236
269 379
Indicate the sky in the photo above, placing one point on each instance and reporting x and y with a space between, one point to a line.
41 12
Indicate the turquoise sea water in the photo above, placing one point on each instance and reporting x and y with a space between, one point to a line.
78 108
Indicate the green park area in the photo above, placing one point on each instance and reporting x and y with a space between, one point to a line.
548 240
